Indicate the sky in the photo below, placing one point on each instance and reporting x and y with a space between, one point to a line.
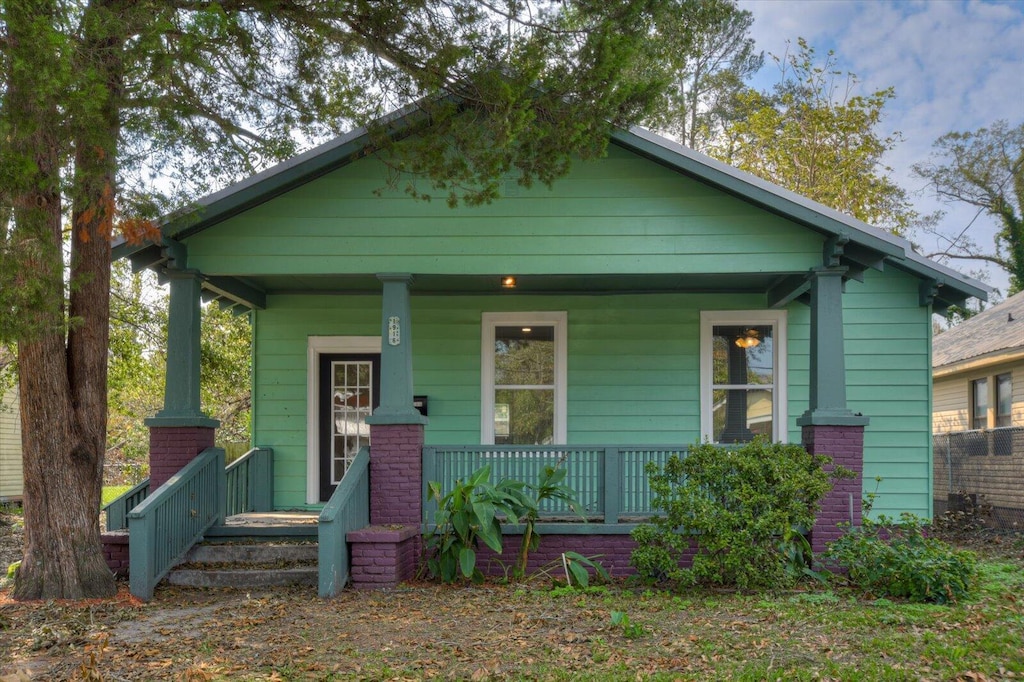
955 65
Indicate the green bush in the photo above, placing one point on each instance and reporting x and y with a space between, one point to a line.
894 559
741 506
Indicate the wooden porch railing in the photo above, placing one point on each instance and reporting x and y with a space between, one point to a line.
118 508
610 481
168 522
347 510
250 482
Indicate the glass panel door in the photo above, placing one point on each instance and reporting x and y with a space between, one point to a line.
350 391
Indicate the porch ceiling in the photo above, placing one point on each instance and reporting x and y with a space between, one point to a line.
597 284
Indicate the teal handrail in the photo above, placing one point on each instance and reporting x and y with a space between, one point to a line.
250 482
118 508
168 522
347 510
610 481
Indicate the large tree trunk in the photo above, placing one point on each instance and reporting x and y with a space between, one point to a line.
63 377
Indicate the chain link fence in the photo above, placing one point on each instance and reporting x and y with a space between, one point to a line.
981 474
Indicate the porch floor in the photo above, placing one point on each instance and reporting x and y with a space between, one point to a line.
272 519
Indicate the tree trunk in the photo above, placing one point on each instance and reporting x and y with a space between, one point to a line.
63 378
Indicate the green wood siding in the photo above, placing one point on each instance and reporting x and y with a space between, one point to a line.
888 374
621 214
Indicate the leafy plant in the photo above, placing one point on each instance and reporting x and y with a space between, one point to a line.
465 516
620 619
576 565
741 507
894 559
550 486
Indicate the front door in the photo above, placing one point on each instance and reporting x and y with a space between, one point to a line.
349 392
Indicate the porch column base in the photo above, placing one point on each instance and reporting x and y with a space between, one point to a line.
172 447
396 474
384 556
844 443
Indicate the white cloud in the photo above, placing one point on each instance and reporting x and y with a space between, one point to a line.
955 65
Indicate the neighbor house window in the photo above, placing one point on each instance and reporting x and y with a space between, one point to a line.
979 404
523 378
1004 400
743 375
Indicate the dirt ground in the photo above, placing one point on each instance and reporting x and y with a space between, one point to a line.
530 631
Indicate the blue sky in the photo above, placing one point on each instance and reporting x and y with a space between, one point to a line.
955 65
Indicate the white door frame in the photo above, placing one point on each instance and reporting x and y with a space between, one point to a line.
317 346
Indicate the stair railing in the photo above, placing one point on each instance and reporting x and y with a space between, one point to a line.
118 508
347 510
168 522
250 482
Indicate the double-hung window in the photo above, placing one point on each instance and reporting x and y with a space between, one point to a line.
743 375
523 378
1004 400
979 403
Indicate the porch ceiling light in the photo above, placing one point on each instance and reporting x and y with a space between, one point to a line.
748 339
508 282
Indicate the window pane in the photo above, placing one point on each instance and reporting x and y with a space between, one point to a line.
979 404
743 355
1004 400
353 400
524 356
740 414
524 416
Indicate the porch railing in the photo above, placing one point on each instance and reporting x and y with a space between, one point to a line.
118 508
250 482
347 510
610 481
168 522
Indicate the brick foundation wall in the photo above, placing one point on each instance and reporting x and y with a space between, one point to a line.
396 474
845 445
115 551
384 556
172 447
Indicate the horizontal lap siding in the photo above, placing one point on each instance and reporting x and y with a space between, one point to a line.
888 376
621 214
10 446
633 372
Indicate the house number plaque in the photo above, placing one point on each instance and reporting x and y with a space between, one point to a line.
394 331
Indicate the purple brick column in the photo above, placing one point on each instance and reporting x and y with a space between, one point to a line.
172 447
845 445
396 474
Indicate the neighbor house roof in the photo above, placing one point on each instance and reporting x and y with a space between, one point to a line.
995 335
867 244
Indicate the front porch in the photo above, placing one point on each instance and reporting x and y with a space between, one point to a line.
374 541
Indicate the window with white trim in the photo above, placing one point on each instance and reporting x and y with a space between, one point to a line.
743 375
523 378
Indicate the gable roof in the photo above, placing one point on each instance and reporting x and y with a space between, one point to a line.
994 335
863 245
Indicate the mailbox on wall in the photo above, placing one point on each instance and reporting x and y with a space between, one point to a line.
420 403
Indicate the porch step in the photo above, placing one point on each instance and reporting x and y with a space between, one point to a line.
249 565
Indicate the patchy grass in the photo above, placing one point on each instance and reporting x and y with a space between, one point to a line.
521 632
112 492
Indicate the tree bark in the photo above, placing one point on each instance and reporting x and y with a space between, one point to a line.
62 364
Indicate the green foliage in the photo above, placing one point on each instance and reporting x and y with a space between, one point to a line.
630 630
470 513
813 135
983 169
742 507
710 55
895 559
466 516
576 573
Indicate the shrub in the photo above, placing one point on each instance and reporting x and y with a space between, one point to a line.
743 507
894 559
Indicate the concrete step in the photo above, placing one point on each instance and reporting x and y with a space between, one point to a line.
243 578
254 553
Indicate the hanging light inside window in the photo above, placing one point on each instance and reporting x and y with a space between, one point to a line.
748 339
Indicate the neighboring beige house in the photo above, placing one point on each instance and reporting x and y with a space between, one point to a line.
978 409
10 447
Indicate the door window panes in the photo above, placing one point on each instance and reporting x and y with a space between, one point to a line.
351 404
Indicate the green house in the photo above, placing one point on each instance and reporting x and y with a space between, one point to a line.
648 300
